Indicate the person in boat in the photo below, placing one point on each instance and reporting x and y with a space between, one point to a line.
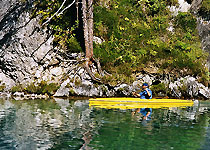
146 93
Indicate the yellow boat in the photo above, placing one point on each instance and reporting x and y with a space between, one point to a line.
130 103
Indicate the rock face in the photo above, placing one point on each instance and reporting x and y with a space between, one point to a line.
23 44
203 27
27 56
190 87
204 33
26 49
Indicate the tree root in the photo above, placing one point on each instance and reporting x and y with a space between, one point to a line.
87 64
87 68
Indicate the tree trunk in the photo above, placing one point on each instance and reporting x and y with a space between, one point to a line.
87 11
90 25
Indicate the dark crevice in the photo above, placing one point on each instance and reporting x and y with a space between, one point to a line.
189 1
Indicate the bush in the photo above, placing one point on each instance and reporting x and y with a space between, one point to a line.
139 37
161 87
40 88
17 88
44 87
204 10
2 87
136 35
186 21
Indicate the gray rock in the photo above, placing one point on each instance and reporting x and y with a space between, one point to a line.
174 88
97 40
18 94
124 90
56 71
24 43
8 82
183 7
147 79
204 33
193 88
204 91
63 90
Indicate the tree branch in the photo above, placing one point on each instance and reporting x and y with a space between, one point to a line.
66 8
57 12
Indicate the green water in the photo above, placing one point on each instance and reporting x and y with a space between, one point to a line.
61 124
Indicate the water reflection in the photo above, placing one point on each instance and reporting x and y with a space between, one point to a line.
36 124
72 124
146 112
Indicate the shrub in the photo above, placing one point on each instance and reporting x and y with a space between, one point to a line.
44 87
17 88
2 87
204 10
161 87
136 35
40 88
186 21
31 88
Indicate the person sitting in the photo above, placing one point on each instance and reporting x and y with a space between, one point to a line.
146 93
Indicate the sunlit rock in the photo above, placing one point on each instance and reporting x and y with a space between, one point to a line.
148 79
56 71
63 90
97 40
87 88
124 90
18 94
183 7
204 91
8 82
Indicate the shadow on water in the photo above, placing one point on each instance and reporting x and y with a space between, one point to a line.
71 124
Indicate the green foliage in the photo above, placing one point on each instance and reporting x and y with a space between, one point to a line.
183 89
50 89
161 87
117 78
71 91
204 10
205 78
2 87
186 21
41 88
32 88
206 5
77 81
63 27
136 34
17 88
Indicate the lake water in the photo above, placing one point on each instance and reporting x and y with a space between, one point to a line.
63 124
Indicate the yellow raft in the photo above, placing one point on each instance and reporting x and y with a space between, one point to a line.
130 103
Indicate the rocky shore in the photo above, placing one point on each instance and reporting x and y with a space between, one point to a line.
81 85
